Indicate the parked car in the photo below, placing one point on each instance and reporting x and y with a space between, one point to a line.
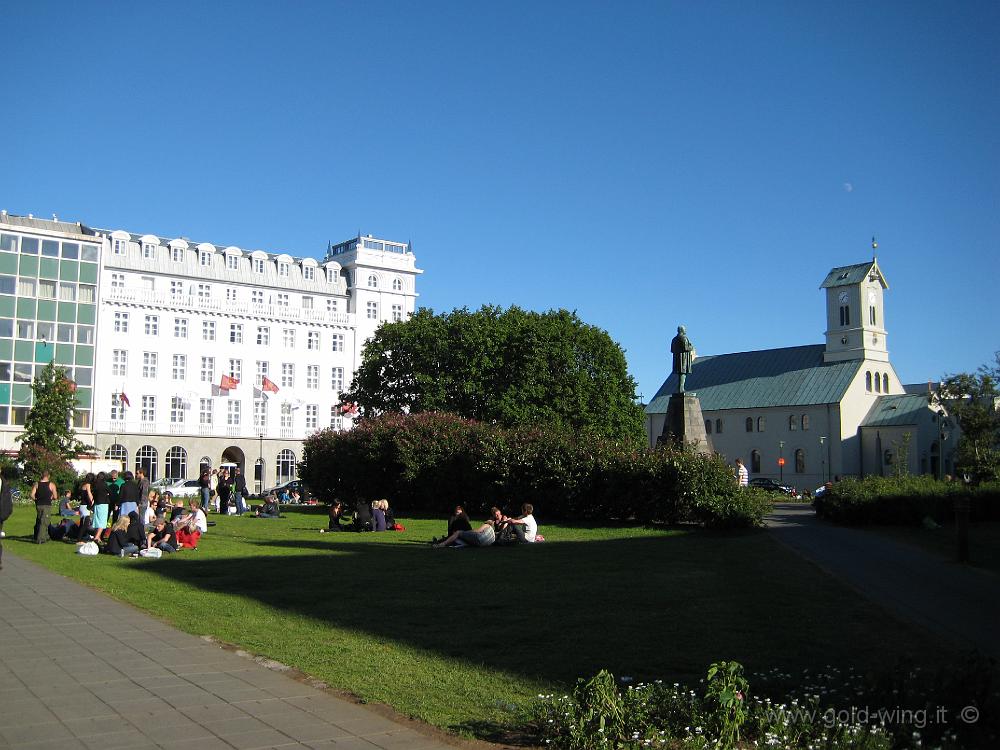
176 487
773 485
295 484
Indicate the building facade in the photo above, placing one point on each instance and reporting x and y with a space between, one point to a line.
170 323
806 414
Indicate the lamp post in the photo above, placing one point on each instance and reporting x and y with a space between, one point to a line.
822 440
260 464
781 461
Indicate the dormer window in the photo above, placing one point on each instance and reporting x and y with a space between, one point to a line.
331 275
258 265
308 273
283 270
148 251
233 262
119 246
205 258
176 254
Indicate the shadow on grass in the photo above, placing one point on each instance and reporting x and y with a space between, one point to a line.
647 607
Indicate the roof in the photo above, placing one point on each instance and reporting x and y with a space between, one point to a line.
52 225
794 376
891 411
850 275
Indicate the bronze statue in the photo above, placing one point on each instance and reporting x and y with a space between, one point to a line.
683 351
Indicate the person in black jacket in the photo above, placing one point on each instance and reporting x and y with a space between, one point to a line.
129 496
43 493
225 490
239 491
6 508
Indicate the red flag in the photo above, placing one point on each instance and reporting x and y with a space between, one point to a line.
228 383
124 399
268 385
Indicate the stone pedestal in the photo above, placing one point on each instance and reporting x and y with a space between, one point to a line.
685 424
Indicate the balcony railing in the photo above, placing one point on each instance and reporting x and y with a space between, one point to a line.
192 429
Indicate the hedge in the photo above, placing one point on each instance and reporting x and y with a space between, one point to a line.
426 463
905 501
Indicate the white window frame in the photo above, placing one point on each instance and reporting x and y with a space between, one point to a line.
178 368
150 362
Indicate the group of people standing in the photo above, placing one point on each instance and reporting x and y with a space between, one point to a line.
223 490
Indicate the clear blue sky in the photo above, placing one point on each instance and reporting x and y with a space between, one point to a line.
646 164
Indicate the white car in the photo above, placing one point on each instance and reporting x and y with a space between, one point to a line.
177 487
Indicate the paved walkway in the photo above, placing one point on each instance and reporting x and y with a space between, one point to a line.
80 670
956 601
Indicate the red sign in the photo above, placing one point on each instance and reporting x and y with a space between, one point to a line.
781 462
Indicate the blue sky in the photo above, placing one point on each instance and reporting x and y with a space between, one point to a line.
645 164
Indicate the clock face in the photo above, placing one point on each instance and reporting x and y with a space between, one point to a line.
843 298
871 297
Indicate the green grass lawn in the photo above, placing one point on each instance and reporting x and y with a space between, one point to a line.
984 541
453 636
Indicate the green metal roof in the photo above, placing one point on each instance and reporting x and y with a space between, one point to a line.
892 411
795 376
850 275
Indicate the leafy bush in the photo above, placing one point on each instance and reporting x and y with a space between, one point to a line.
430 461
905 501
38 459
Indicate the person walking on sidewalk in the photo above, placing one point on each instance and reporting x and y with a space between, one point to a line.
43 493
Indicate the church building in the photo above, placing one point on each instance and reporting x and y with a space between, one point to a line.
806 414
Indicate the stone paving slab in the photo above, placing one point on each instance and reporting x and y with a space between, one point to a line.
77 671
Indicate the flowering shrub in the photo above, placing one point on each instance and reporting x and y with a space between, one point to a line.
427 462
601 715
905 501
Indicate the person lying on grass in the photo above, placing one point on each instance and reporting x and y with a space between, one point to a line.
484 536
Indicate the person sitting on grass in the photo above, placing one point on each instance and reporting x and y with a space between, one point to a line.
188 536
336 513
484 536
270 508
136 529
390 517
118 540
525 527
363 517
66 509
162 536
66 529
378 515
192 515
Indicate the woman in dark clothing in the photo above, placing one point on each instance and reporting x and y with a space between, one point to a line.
363 517
129 496
118 540
459 521
336 513
136 530
102 501
378 515
86 507
225 490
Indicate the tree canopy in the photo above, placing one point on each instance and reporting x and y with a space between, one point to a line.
972 398
48 438
509 367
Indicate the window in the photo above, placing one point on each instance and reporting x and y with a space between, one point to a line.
307 303
179 369
26 329
373 281
761 423
208 369
793 423
148 409
235 333
287 375
208 330
88 293
708 426
46 289
868 381
312 377
800 461
288 338
337 341
312 416
233 262
204 291
337 379
149 360
286 416
260 413
871 314
44 331
180 328
878 383
336 421
262 372
176 289
67 291
283 270
233 412
805 421
118 247
397 284
205 258
236 369
230 294
177 254
205 411
749 424
263 336
121 322
372 308
176 410
116 453
148 251
281 299
119 363
285 466
117 408
718 426
397 313
755 461
257 297
146 459
175 465
885 382
845 315
332 306
312 341
64 333
117 281
332 274
258 265
308 273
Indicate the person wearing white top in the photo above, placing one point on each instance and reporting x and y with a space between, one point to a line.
525 527
742 475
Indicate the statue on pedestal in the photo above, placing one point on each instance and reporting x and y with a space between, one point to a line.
683 351
684 423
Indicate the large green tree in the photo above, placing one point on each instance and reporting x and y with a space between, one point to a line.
972 398
49 439
509 367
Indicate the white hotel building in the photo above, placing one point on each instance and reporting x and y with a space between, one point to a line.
175 316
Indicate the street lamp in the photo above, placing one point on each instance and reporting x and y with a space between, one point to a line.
260 464
781 461
822 455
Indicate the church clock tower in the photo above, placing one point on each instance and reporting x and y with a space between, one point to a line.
855 314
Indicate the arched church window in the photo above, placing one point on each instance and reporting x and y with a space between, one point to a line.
800 461
761 423
793 423
708 426
805 421
755 461
749 424
868 381
885 382
718 426
878 383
